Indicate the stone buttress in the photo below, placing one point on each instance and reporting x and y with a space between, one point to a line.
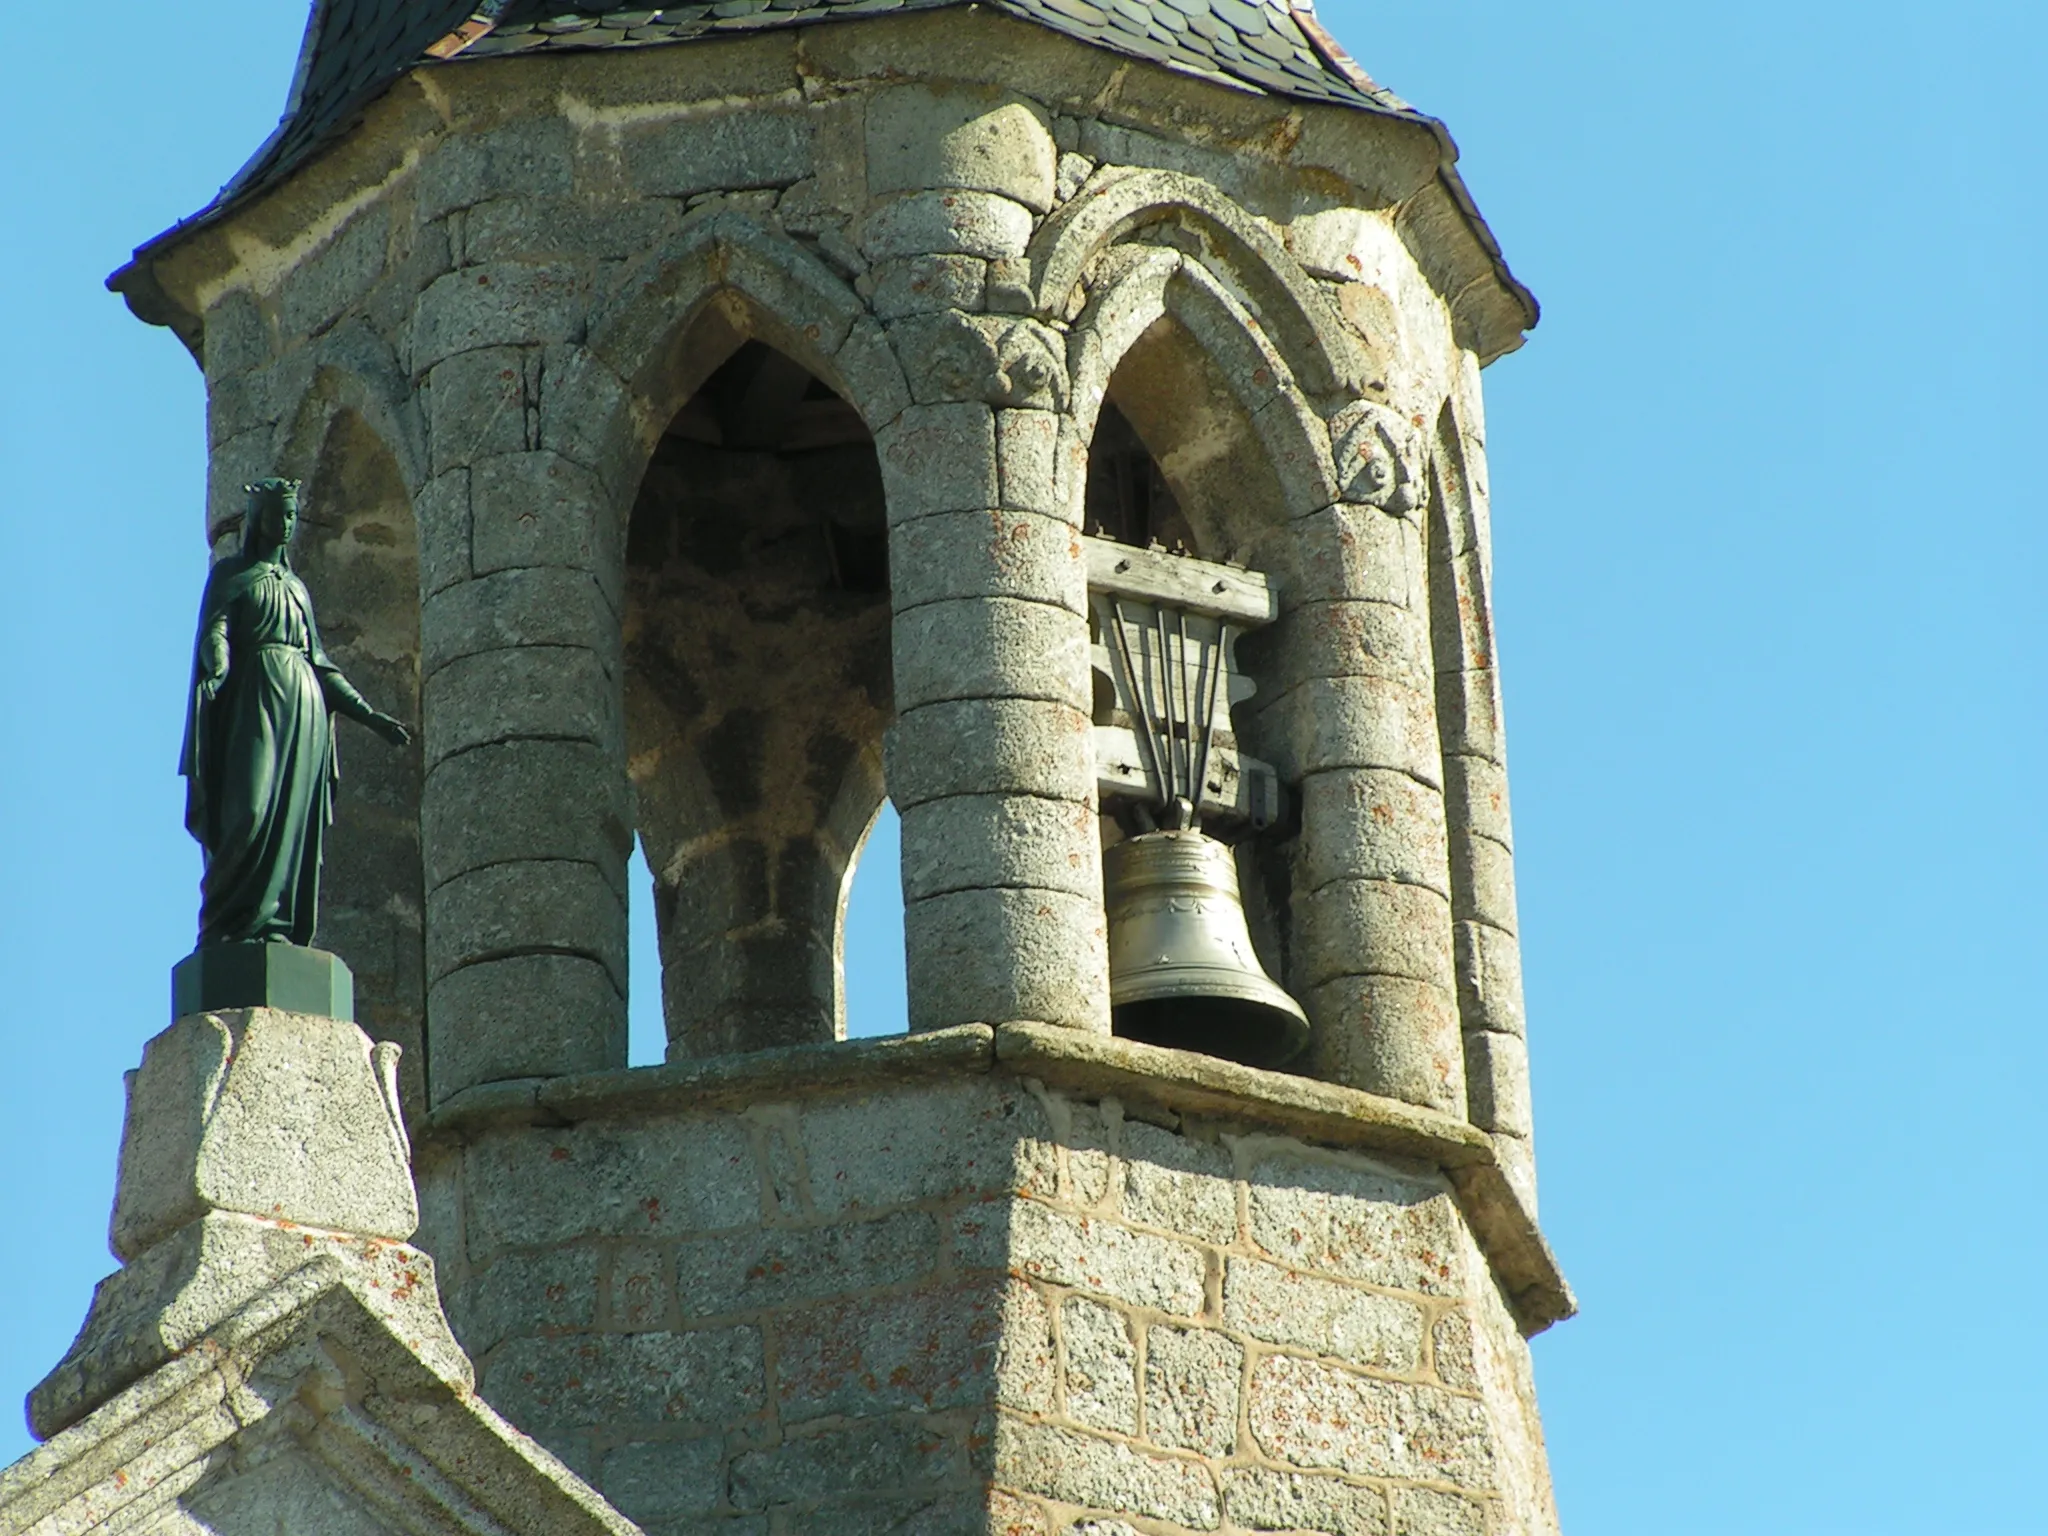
754 401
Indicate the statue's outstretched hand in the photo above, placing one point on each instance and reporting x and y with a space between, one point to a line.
391 730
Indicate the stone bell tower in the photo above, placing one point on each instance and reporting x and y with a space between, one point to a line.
1063 421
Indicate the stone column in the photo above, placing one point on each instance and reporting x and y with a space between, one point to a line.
1346 712
524 818
990 760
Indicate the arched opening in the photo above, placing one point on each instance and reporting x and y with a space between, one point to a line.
358 550
757 689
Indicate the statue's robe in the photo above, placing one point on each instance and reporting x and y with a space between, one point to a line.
259 759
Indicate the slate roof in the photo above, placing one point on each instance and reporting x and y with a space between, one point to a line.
355 49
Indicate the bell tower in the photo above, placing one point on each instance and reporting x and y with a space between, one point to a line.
1063 423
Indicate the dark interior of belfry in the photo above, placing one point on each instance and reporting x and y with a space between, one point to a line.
757 655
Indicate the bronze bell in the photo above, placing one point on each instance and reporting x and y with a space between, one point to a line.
1181 967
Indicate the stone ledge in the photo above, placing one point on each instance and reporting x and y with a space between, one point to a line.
1093 1066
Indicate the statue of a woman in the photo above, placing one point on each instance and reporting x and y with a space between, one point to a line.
259 760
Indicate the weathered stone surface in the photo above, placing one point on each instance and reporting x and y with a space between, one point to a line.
1260 1499
951 222
990 746
527 1293
1110 1260
652 1481
523 1016
531 1186
496 304
1353 1219
1279 1306
924 1351
1497 1082
530 691
1373 824
337 277
877 1152
1478 789
876 1455
1104 1474
1451 1351
939 458
969 842
918 138
1100 1366
757 148
713 1378
522 800
988 554
1389 1035
1191 1389
1431 1512
1178 1184
562 906
747 1271
542 509
1373 928
1025 1357
528 157
442 513
992 648
1354 722
478 405
1035 473
529 607
1006 953
925 285
1483 882
279 1115
1314 1415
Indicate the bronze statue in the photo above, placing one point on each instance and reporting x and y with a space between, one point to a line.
259 760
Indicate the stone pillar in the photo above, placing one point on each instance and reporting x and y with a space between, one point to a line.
990 762
524 825
1347 715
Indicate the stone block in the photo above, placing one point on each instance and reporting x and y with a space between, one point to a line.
1313 1415
1030 468
537 606
938 458
1099 1374
952 222
721 152
1101 1257
1351 638
652 1481
1391 1036
1344 553
1192 1379
786 1266
712 1378
992 648
1353 722
989 746
1373 824
1489 978
523 1016
1483 882
882 1151
1469 714
1025 1358
1476 790
588 415
528 1294
281 1115
523 800
542 509
528 906
1450 1348
922 1352
970 842
237 337
1432 1512
1178 1184
924 285
528 157
477 406
336 277
982 140
888 1455
441 513
525 691
1356 1220
869 376
566 228
1497 1082
1261 1499
639 1294
1079 1469
644 1181
495 304
1280 1306
1517 1155
973 957
1372 928
1020 555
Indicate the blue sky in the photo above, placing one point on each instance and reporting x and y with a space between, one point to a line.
1769 552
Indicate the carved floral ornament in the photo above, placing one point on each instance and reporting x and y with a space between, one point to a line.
1378 455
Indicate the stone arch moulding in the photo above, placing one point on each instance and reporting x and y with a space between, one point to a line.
1319 350
1130 293
352 369
728 269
